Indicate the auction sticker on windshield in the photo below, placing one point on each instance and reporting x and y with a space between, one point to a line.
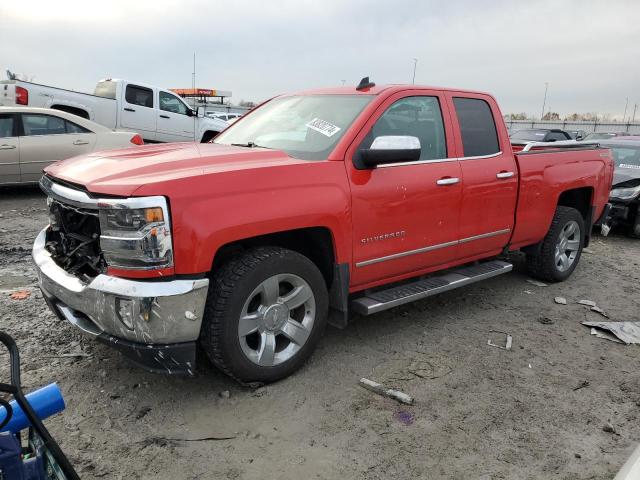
626 165
322 126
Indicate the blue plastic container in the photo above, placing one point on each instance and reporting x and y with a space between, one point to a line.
45 402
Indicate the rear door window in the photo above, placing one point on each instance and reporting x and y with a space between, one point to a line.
42 125
6 126
74 128
477 127
136 95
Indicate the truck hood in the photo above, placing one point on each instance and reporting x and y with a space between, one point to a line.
122 172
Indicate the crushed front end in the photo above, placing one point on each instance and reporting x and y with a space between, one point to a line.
155 322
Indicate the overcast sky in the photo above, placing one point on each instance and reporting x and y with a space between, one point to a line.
586 50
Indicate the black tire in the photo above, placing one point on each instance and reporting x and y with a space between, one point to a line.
231 288
634 229
208 136
544 265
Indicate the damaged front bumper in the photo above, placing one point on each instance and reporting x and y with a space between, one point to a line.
156 324
620 213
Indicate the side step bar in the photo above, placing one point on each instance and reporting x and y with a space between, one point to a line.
376 301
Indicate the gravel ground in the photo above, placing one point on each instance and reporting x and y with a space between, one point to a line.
480 412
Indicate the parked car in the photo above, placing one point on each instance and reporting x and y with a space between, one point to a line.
32 138
625 193
158 115
604 135
315 206
538 135
577 134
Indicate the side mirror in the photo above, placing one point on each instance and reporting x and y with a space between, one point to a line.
191 113
200 112
391 149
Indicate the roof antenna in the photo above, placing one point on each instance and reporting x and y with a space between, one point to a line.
365 83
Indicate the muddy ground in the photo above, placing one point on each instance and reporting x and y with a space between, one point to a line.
480 412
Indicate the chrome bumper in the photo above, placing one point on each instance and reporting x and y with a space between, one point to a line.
161 312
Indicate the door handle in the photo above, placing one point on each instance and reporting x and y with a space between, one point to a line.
80 142
448 181
504 175
127 109
7 147
165 116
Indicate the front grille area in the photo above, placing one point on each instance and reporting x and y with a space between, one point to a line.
73 240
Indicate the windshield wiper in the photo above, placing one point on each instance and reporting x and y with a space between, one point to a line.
248 145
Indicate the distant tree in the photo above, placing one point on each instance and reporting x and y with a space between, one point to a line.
517 116
244 103
551 116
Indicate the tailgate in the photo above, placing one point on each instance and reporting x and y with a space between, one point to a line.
7 93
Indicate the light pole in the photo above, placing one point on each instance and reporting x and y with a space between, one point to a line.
415 63
635 105
544 101
626 104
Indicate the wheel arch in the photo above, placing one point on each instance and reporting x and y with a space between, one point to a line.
581 199
80 112
315 243
208 135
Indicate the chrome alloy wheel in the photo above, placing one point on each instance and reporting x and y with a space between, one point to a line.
568 246
276 319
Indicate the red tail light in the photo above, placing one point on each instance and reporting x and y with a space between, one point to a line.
137 140
22 96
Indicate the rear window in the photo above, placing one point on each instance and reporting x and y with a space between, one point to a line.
139 96
106 89
529 135
478 129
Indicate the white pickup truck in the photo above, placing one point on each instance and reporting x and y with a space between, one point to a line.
156 114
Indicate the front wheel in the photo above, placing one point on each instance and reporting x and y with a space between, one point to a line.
561 248
266 310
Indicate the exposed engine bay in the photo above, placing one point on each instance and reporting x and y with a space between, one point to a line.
73 240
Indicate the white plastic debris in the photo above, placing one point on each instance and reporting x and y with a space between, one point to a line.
588 303
604 334
628 332
560 300
600 311
508 341
380 389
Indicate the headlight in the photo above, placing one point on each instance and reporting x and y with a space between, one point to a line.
627 193
135 233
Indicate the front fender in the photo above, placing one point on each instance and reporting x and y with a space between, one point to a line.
211 211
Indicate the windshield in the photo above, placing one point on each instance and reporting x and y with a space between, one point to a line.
529 135
600 136
626 157
307 127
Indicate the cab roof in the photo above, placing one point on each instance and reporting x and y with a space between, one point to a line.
377 90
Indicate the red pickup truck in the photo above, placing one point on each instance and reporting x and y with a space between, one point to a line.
314 206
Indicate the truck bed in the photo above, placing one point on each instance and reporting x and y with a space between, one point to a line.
542 169
101 110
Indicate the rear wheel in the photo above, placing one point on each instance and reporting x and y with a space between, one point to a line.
561 248
265 313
